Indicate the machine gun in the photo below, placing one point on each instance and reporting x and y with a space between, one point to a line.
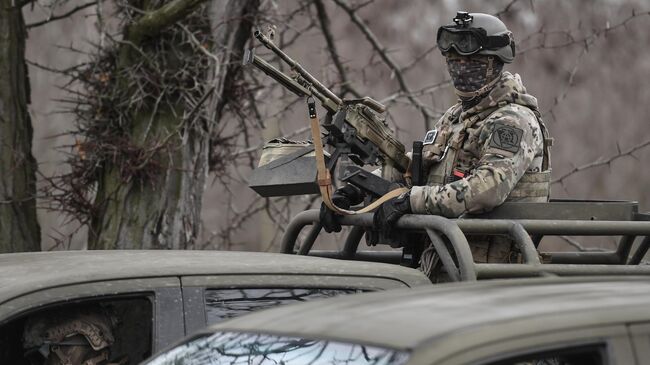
356 129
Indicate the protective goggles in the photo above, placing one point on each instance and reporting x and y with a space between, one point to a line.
467 41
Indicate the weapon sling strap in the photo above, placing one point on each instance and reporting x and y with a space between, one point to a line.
324 177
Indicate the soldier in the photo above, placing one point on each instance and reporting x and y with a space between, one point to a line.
490 147
80 335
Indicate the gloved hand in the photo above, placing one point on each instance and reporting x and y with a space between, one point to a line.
388 213
344 198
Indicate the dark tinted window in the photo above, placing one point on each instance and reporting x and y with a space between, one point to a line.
234 348
124 325
583 355
221 304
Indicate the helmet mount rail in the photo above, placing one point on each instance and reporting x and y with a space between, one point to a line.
528 224
463 18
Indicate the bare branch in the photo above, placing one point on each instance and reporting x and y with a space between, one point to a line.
154 21
604 162
199 45
571 40
419 58
383 53
499 13
423 91
331 46
558 99
61 16
50 69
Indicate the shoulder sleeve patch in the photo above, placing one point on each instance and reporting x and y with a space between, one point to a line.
506 137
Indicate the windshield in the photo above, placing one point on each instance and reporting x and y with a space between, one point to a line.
235 348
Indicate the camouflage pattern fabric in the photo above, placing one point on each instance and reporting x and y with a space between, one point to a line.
472 73
486 149
70 336
280 147
480 157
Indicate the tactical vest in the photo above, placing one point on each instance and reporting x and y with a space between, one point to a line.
440 157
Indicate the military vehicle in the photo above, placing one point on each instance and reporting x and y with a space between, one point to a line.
160 296
571 321
526 223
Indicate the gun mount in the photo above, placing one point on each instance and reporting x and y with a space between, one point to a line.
356 129
526 223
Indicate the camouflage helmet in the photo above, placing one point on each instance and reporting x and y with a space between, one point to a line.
70 335
477 33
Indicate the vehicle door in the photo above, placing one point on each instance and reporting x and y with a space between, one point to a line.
598 345
640 335
146 313
209 300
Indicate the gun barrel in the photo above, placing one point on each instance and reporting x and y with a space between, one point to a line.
251 59
299 69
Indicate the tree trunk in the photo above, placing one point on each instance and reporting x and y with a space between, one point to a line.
19 229
162 212
162 209
231 22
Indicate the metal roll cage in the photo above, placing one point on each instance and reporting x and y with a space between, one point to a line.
529 223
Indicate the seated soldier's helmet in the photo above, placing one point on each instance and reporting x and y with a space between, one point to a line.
71 335
477 33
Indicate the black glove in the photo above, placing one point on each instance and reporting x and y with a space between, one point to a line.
388 213
344 198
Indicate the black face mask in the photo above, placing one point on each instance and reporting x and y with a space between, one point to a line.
472 73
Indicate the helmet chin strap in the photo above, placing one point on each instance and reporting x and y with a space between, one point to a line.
479 92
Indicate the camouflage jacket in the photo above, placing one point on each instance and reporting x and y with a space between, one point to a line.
476 159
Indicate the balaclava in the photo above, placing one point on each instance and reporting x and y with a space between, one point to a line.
473 76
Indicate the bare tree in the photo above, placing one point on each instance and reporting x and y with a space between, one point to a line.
146 115
19 228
